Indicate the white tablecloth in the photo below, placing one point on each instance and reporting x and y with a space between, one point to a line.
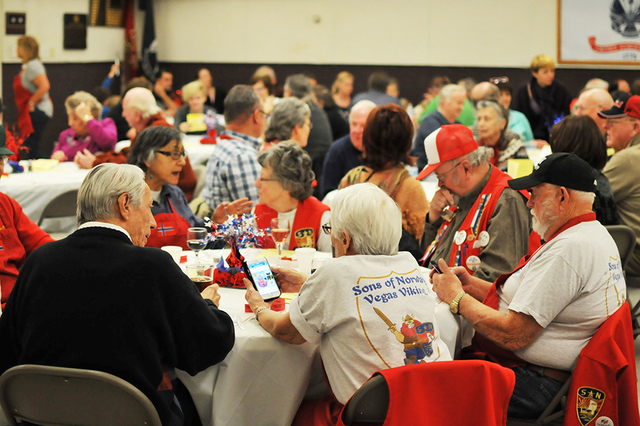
34 190
263 380
198 153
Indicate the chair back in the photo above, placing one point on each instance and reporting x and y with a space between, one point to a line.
62 206
625 239
604 381
68 396
435 393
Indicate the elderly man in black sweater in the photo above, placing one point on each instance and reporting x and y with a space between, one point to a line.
99 300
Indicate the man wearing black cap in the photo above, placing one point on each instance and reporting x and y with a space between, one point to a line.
19 236
537 319
623 135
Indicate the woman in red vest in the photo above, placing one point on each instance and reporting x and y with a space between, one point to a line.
158 151
284 188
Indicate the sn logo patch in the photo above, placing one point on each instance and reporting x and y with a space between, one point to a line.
589 403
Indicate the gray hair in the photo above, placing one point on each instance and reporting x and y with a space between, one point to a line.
582 196
300 86
142 99
480 156
98 195
72 102
361 105
240 103
499 109
450 89
291 167
286 114
148 142
370 216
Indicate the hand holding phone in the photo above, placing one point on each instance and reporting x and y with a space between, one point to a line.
260 274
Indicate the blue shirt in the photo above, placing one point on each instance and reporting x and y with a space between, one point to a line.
341 158
430 124
232 169
180 205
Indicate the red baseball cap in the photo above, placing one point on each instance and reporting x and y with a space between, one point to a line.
632 109
447 143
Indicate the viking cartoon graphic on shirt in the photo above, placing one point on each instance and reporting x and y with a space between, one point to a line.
414 335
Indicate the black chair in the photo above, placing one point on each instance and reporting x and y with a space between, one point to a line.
68 396
61 206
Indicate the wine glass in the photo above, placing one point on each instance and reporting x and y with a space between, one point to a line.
197 239
280 232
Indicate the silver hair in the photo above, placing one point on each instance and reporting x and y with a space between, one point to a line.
450 89
149 142
300 86
142 99
286 114
480 156
360 105
582 196
499 109
291 167
370 216
98 195
72 102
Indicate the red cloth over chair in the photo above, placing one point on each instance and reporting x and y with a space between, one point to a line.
471 392
604 384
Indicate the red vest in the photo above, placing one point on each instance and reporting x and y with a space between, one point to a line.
171 230
483 348
306 224
22 97
466 244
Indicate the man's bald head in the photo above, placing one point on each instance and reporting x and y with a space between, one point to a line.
485 91
591 102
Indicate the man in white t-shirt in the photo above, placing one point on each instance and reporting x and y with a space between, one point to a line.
368 309
537 319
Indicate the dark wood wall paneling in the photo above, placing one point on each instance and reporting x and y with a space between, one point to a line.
68 78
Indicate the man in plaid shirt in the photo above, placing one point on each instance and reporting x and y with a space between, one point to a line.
233 167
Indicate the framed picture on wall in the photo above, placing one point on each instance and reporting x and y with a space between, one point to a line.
107 13
599 32
75 31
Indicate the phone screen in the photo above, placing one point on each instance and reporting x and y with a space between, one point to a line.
263 279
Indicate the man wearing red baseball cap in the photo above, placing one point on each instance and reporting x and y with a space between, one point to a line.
623 134
475 219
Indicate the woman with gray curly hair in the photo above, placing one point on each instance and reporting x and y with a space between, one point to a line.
290 120
86 131
285 188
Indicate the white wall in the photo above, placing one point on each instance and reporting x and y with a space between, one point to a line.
45 23
380 32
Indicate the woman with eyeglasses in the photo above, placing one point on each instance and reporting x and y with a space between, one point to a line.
158 151
369 308
284 188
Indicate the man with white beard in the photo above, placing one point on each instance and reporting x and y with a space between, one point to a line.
537 319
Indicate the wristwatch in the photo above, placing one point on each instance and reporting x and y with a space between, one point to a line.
455 303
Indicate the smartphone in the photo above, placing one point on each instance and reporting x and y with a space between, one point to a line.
260 274
435 267
117 62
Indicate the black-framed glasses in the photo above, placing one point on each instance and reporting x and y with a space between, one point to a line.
4 158
441 177
326 228
266 115
175 155
261 179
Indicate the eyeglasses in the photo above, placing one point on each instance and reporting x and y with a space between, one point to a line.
441 177
175 155
497 80
267 116
4 158
326 228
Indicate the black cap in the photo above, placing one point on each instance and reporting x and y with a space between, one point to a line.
620 102
561 169
3 142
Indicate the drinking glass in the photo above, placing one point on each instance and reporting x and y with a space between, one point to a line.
280 232
197 239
